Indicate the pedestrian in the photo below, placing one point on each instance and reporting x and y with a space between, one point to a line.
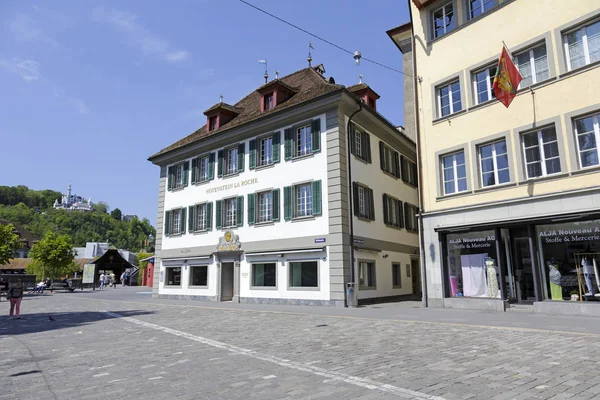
15 293
123 279
113 280
102 278
39 287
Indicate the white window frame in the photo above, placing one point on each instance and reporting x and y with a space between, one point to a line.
269 101
596 121
202 217
358 144
444 13
303 202
179 172
231 161
489 83
365 268
542 152
265 151
455 166
203 167
534 72
450 98
362 202
481 3
264 210
176 224
393 218
584 39
230 212
303 148
174 284
494 158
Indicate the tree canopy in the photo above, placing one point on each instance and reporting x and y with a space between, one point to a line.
9 243
53 256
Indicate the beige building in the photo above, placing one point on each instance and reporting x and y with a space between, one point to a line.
510 196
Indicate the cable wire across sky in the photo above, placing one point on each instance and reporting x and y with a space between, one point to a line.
320 38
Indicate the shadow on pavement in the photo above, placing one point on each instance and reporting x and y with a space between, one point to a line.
43 322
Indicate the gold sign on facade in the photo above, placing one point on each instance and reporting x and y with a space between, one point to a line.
234 185
229 242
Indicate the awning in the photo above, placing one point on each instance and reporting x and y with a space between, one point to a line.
270 253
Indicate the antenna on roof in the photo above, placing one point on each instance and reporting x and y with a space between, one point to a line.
360 78
266 70
220 99
276 74
310 46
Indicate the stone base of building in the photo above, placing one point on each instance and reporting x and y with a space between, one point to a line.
567 308
184 297
476 304
292 302
388 299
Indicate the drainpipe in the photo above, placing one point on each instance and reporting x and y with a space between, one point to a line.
349 301
419 161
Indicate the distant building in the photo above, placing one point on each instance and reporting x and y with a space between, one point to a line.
73 202
91 250
27 239
128 218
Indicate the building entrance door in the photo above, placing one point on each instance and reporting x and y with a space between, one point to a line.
523 270
226 281
415 269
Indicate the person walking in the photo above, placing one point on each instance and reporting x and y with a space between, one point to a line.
113 280
102 278
123 279
16 295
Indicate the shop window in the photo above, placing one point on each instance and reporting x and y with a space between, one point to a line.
468 265
304 274
173 276
199 276
397 275
366 275
264 275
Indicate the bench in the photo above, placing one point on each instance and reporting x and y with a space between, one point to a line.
60 286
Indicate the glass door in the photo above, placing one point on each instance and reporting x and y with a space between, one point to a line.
523 270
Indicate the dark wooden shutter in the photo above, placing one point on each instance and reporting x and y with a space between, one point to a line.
186 173
251 208
209 216
355 199
352 139
239 218
367 147
289 144
211 166
170 178
399 213
182 219
385 210
219 214
287 203
194 170
241 157
415 174
382 155
316 198
396 165
316 135
407 216
371 205
252 152
276 205
276 146
404 169
220 163
168 223
193 216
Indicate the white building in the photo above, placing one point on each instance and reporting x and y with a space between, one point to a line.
73 202
92 250
255 206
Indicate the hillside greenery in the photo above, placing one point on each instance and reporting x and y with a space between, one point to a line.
33 210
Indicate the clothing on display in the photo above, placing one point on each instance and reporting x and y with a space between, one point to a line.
587 274
453 286
474 275
597 275
555 281
492 279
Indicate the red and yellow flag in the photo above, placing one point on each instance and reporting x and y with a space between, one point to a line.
507 79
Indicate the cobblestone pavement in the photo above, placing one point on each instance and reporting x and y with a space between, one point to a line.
100 348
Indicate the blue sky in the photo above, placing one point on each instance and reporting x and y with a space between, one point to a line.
90 89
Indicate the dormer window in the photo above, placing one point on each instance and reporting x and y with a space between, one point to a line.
269 100
212 123
274 93
371 102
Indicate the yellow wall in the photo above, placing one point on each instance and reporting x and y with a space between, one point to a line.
514 23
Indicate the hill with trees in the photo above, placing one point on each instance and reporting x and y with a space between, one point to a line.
34 210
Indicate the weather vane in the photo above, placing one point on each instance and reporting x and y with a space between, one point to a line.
266 69
310 46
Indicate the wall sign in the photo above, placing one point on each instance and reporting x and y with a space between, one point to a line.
570 235
234 185
320 240
482 242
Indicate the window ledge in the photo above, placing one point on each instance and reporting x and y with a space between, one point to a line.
580 69
175 234
496 187
484 104
200 232
544 178
300 219
177 189
202 182
263 287
411 231
233 174
299 158
266 166
410 184
453 195
198 287
536 85
393 226
172 286
359 158
448 117
265 223
226 228
304 289
366 219
586 170
390 174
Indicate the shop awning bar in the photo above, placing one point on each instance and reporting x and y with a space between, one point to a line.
270 253
187 258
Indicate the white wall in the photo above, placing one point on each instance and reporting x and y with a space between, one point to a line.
383 274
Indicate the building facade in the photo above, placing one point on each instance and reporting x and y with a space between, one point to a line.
254 206
510 196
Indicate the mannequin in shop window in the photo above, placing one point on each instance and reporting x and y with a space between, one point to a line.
492 278
555 286
588 265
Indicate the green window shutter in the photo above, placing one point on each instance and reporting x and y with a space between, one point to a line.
289 144
220 163
219 214
186 172
406 215
276 146
316 198
355 199
192 222
183 221
396 165
371 206
404 168
399 211
251 208
352 139
367 147
287 203
170 178
168 223
381 155
385 210
241 157
415 175
316 135
276 204
209 216
211 166
252 150
239 218
194 170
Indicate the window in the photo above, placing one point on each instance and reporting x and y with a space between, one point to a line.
269 102
173 276
478 7
179 175
203 168
443 20
449 99
363 201
304 274
409 171
265 151
231 164
265 206
199 276
455 173
264 275
482 84
303 196
541 153
389 159
358 144
396 275
200 217
212 123
371 102
392 211
361 145
303 141
533 65
587 134
582 46
493 159
175 221
408 270
410 216
366 275
230 213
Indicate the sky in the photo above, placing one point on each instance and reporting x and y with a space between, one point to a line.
90 89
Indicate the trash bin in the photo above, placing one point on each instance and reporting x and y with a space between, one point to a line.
350 295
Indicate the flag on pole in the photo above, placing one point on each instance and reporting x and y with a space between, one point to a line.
262 61
507 79
310 46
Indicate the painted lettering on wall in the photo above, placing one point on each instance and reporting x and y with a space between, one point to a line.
234 185
570 235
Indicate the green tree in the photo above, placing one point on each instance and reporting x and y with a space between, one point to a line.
101 207
9 243
53 256
116 214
